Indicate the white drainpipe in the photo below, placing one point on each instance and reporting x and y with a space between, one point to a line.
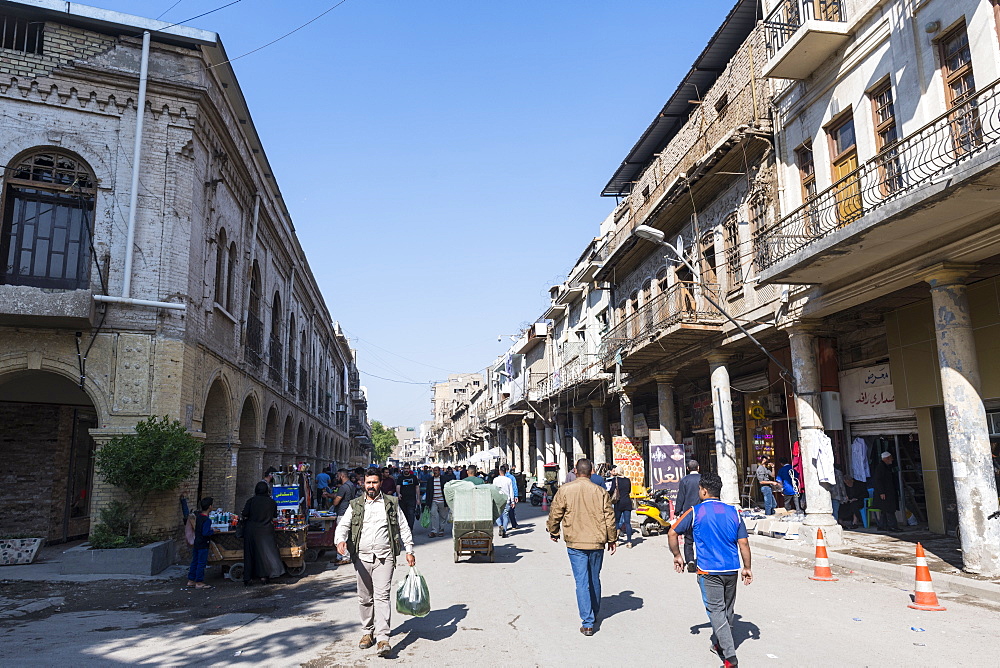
140 113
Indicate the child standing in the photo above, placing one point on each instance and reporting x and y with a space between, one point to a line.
199 551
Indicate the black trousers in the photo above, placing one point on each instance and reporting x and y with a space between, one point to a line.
409 512
689 546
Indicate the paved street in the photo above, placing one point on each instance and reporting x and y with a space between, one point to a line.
518 611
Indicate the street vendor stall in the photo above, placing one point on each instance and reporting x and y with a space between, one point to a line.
226 549
319 539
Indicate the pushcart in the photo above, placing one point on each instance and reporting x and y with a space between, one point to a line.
319 539
474 512
226 550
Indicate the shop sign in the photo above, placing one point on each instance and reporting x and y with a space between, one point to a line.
701 412
639 427
867 391
666 467
286 496
628 459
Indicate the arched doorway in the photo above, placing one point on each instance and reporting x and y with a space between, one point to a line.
272 444
288 442
249 463
45 423
218 458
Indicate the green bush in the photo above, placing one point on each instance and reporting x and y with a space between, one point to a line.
113 529
158 457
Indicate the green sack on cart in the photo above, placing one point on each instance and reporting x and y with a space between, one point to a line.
425 518
412 596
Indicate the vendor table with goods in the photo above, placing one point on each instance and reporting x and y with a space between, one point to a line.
319 539
226 549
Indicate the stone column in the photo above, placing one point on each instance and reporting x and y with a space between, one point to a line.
597 427
668 414
540 445
805 368
725 438
522 464
968 433
577 444
628 415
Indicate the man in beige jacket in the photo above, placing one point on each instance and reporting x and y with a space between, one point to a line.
584 511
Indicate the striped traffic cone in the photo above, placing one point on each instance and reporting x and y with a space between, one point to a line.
924 597
545 503
822 569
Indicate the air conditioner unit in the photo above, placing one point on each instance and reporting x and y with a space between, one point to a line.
833 416
774 404
341 408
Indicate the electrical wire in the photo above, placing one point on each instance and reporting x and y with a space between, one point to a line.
369 343
168 9
394 380
259 48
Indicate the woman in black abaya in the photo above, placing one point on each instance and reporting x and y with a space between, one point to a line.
260 552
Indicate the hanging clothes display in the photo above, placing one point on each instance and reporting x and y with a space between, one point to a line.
859 460
823 460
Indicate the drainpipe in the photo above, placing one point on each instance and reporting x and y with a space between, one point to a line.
140 113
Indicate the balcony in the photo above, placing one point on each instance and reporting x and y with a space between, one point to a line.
801 35
670 322
936 185
27 306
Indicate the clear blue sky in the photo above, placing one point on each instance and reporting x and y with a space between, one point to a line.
442 160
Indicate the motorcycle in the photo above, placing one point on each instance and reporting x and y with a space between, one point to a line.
655 510
536 494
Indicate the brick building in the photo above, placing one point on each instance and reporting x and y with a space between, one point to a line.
178 288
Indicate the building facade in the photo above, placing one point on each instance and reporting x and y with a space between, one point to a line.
150 268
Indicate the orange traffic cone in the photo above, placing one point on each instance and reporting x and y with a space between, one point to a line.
545 503
822 569
924 597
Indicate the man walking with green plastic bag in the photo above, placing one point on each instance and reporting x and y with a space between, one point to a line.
375 531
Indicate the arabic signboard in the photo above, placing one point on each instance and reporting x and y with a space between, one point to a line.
628 459
286 496
867 392
666 467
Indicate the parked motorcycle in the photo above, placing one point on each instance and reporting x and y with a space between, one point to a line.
655 510
536 495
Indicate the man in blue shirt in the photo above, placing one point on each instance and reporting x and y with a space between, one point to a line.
721 540
789 480
513 502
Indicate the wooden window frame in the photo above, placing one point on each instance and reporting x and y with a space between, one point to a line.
734 264
966 128
806 179
890 175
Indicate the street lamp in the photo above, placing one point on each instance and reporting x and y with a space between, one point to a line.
658 237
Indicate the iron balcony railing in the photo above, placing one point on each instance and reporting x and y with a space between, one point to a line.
303 384
785 19
293 368
275 355
925 155
682 303
254 344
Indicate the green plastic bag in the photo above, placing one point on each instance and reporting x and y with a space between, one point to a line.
425 518
412 597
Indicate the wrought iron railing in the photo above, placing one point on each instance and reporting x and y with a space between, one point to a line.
275 355
303 384
254 344
293 369
912 162
789 15
682 303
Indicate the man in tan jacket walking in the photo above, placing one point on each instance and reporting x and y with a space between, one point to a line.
584 511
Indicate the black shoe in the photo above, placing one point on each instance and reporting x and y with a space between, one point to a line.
587 630
503 532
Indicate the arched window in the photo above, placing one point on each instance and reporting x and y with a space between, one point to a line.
230 278
221 248
293 366
275 348
48 210
255 327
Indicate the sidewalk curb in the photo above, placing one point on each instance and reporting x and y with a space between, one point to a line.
899 574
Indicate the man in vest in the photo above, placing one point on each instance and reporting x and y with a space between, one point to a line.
374 531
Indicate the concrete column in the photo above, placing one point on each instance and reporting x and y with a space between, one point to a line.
965 415
550 443
668 414
725 438
522 464
577 443
560 444
628 415
597 427
540 445
805 368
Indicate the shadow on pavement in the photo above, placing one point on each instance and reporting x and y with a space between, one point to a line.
742 630
437 625
507 553
624 602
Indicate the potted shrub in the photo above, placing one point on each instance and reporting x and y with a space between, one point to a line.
19 549
158 457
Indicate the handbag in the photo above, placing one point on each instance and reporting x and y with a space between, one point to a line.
616 492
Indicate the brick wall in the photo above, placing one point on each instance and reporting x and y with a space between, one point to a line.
34 449
60 44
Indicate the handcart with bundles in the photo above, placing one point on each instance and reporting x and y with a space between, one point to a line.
474 509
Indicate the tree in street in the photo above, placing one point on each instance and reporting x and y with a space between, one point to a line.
385 441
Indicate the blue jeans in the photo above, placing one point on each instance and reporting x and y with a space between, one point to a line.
625 523
504 520
199 558
586 566
769 502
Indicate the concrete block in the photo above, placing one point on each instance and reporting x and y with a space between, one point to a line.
146 560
